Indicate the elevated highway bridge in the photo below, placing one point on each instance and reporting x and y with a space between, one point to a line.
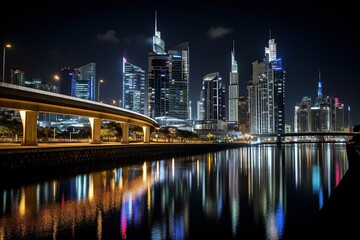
31 101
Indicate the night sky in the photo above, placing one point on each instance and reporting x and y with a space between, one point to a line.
48 36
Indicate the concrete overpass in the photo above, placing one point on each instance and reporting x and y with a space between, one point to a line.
31 101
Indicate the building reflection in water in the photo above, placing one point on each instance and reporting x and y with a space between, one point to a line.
261 191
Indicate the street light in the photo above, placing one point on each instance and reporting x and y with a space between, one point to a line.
100 81
3 73
57 78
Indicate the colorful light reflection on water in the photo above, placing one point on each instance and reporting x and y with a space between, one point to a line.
261 191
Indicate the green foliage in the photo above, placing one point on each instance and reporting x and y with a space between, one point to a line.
10 128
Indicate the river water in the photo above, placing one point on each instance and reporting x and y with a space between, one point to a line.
257 192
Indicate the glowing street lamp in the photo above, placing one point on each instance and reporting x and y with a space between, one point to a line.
100 81
57 78
3 73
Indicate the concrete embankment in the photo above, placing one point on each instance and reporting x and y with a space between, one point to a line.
22 162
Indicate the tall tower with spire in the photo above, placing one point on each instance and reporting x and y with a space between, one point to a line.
270 51
267 93
234 90
158 43
168 79
319 86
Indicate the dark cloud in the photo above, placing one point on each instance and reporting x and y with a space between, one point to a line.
109 36
217 32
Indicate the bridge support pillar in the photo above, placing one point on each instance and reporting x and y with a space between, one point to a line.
125 132
146 130
95 124
29 122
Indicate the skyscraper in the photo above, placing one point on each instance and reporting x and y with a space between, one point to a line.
85 87
321 111
18 77
266 93
68 81
179 87
168 79
213 88
133 87
338 111
234 90
243 115
277 74
302 118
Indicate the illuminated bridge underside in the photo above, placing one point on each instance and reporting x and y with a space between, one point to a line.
31 101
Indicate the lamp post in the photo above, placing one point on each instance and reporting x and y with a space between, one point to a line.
3 73
57 78
100 81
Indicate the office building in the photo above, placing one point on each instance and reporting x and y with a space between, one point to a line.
85 82
133 87
266 93
234 91
168 79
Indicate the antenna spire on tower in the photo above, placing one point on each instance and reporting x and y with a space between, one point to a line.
234 47
155 22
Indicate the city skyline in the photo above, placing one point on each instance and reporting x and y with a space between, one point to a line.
308 39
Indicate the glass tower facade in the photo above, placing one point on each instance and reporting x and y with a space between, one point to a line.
234 90
68 81
133 87
213 89
87 76
179 87
266 93
168 80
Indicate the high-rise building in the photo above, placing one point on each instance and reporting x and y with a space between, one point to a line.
321 111
200 113
85 85
234 90
179 86
158 43
302 118
277 74
18 77
244 115
168 79
266 93
254 87
68 79
133 87
338 112
214 107
159 67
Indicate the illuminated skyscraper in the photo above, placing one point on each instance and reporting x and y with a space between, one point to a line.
85 86
133 87
158 43
302 118
338 112
321 116
234 90
266 93
68 81
213 88
168 79
18 77
179 87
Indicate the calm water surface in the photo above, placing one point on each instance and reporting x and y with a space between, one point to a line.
258 192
